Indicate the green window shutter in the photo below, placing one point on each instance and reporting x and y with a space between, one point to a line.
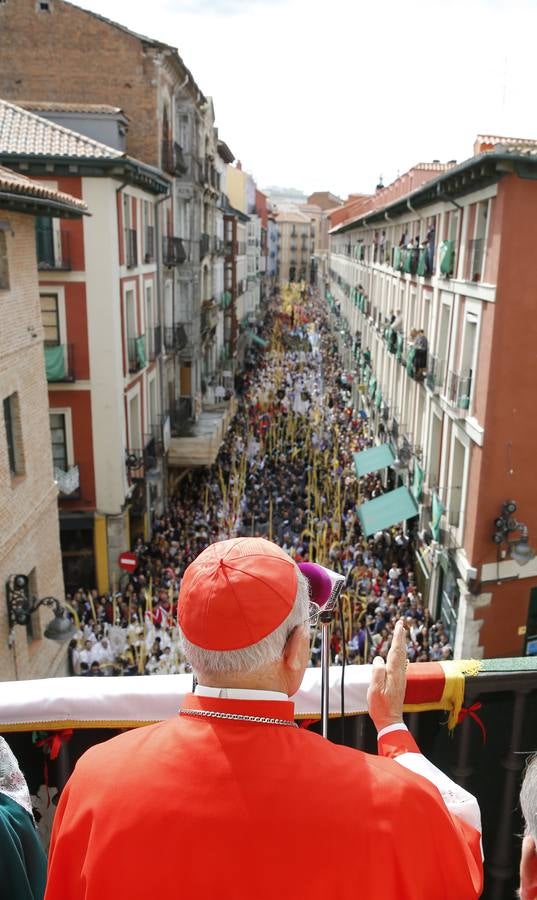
44 240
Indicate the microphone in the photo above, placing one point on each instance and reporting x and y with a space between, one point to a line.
325 584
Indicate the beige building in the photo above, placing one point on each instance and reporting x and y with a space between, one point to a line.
297 244
29 529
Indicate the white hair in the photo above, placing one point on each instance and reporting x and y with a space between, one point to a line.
528 797
250 659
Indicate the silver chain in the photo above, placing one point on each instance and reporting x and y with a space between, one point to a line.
211 714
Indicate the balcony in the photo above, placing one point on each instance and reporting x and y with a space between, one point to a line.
205 243
141 461
197 443
209 318
219 248
458 390
131 248
176 337
173 160
137 353
53 247
154 342
506 688
59 363
173 251
68 482
180 415
474 259
435 373
149 244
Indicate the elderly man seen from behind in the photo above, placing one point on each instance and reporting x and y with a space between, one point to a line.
240 801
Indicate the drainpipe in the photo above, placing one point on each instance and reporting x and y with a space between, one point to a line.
160 305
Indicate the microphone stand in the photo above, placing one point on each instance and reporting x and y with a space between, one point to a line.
325 618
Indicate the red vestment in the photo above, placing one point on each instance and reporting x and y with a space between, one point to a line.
218 808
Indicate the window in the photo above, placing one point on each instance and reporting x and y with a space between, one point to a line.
59 441
12 424
51 319
457 475
4 267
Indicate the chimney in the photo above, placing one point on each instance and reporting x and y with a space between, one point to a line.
238 165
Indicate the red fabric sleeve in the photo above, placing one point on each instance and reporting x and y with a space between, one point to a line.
397 742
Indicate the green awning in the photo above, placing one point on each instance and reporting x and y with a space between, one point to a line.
387 510
373 459
254 337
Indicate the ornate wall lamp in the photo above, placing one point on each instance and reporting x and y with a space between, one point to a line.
20 606
519 548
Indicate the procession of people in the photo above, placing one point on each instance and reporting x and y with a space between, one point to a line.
285 472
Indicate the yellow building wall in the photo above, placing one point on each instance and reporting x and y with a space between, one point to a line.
236 187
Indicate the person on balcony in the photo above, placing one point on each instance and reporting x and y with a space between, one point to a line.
240 801
420 357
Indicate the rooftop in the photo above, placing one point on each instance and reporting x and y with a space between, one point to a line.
101 109
16 188
22 133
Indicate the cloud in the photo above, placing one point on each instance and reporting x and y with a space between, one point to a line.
219 7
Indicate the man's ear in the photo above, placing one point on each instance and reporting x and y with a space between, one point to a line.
294 649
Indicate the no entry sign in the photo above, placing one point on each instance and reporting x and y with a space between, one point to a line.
127 561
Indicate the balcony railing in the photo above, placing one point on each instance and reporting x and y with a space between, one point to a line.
131 248
137 353
141 461
180 414
149 246
59 363
447 257
435 373
173 251
153 342
459 387
173 160
209 318
176 337
205 243
53 247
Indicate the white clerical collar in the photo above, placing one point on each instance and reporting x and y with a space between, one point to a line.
223 693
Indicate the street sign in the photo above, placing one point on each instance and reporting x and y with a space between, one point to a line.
127 561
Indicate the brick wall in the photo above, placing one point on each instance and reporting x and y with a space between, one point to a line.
70 55
29 531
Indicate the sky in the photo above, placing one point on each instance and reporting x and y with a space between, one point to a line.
332 94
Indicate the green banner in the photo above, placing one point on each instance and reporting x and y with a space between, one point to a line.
438 511
55 363
417 482
141 358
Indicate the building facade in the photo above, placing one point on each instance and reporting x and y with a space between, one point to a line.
99 295
29 532
434 289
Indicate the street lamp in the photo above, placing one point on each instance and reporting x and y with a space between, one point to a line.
21 606
519 549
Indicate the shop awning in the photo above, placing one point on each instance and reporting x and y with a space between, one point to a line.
256 339
373 459
387 510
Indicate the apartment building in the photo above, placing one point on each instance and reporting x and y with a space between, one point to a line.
435 287
29 476
297 244
169 125
102 320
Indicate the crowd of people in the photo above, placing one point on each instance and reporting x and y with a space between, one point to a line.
285 471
